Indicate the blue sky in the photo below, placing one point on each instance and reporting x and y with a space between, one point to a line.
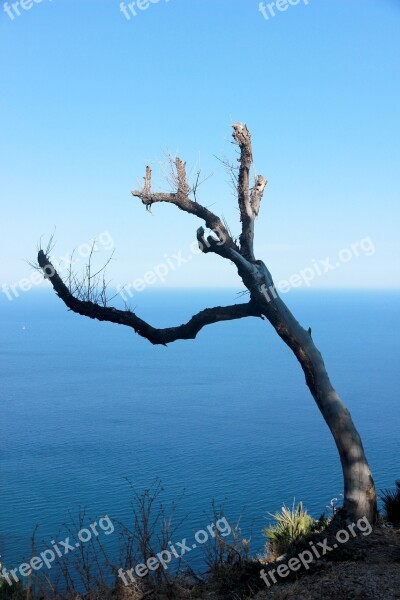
88 98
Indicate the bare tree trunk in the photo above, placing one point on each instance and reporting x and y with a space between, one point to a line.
359 488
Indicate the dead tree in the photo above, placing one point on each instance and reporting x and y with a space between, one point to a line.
264 302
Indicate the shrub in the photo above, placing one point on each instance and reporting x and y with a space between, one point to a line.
14 592
291 525
391 505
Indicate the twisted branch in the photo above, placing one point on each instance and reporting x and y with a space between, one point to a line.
219 242
156 336
181 199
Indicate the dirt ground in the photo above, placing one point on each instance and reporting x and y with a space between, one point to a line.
370 571
364 568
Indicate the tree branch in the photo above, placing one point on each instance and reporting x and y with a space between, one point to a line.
257 193
164 336
249 203
181 199
242 137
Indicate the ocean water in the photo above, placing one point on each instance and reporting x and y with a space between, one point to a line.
85 405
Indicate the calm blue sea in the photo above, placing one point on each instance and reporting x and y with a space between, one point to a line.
85 405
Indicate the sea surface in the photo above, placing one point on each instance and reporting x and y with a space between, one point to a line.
88 406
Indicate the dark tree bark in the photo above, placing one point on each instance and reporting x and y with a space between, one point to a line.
265 302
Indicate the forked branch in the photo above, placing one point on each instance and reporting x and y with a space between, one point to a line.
181 199
83 297
249 200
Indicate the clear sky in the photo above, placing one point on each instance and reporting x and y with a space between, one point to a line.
89 97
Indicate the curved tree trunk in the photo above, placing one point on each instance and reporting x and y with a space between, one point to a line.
359 488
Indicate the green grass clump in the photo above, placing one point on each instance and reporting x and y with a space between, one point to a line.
291 525
391 505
